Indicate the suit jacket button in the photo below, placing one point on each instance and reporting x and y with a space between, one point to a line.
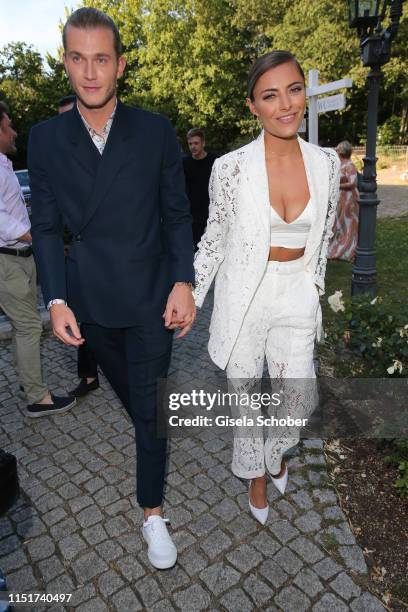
78 238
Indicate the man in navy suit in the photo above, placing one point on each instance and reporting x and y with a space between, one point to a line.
113 175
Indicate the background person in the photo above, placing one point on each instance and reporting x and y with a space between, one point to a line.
345 231
197 171
18 283
272 205
66 104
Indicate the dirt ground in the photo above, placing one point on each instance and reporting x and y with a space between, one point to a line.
376 513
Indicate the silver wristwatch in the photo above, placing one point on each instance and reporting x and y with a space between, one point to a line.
57 301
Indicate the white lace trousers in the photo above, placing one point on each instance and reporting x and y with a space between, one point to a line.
280 324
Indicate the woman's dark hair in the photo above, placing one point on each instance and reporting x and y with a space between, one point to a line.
265 63
89 17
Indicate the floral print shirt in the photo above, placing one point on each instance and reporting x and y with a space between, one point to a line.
99 138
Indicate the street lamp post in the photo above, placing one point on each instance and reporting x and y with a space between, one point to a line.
375 43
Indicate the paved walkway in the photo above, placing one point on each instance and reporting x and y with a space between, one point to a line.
76 527
394 201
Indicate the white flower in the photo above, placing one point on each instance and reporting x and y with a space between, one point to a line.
374 300
336 301
397 365
378 343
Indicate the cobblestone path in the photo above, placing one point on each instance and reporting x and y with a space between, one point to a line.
76 526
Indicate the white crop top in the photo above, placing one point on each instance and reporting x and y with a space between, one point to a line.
291 235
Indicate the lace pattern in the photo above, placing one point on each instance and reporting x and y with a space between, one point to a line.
234 248
223 185
287 343
334 190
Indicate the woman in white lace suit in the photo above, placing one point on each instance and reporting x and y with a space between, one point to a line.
272 205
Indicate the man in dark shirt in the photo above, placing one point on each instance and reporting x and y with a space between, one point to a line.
197 170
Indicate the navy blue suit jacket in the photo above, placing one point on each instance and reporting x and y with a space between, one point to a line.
127 210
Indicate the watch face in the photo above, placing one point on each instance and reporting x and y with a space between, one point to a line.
57 301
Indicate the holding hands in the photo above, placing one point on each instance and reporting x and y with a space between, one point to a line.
180 309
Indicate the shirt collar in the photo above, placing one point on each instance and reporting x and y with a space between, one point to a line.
6 162
107 125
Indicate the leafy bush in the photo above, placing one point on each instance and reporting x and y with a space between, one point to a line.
399 457
383 163
376 343
359 164
376 339
389 131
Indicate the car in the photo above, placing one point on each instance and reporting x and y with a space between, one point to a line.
23 179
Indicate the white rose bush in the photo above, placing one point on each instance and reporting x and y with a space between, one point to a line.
374 340
336 302
369 341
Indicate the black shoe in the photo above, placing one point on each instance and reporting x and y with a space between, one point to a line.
59 405
84 388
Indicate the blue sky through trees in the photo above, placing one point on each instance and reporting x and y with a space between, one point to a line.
33 22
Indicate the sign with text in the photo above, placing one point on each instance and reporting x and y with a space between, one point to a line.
318 105
331 103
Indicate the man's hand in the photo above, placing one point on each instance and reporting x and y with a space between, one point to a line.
63 319
180 309
25 237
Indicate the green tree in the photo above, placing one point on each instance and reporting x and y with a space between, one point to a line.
188 60
31 91
319 35
395 87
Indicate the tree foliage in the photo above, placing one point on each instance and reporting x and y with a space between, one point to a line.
31 91
189 59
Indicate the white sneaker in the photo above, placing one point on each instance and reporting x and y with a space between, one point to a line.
161 551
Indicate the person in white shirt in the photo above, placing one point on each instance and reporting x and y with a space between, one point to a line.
18 283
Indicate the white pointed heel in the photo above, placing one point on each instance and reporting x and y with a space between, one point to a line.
280 483
261 514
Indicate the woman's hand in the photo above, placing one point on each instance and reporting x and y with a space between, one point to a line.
180 309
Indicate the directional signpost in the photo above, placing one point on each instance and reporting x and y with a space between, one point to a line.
323 105
331 103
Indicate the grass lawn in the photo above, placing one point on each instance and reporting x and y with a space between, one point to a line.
392 267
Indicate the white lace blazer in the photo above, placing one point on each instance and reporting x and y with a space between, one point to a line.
235 245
